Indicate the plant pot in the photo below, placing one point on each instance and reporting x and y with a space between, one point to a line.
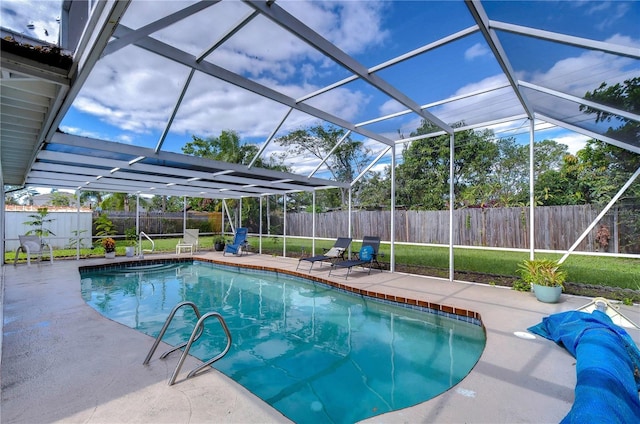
547 294
110 255
129 251
219 247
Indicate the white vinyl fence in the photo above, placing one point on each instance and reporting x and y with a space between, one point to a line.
63 225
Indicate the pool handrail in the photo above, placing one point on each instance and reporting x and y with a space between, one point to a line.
164 330
193 337
140 250
198 329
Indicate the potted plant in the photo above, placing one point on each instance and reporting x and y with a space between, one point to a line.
219 243
130 237
109 246
545 277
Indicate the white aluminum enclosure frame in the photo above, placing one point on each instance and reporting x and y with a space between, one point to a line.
66 161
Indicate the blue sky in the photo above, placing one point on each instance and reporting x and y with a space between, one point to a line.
130 95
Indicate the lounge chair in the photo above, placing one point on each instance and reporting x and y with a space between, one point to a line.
189 241
240 244
367 256
32 245
330 255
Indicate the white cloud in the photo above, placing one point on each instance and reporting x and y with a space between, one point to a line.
81 132
341 102
574 141
568 75
391 106
608 11
18 14
354 26
543 130
475 51
135 91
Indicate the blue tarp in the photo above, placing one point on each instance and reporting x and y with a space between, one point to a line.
607 366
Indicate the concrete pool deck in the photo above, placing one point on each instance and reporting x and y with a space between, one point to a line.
64 362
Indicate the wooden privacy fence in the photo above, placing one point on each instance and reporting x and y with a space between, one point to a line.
556 227
165 222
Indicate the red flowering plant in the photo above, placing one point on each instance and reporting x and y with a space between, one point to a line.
109 244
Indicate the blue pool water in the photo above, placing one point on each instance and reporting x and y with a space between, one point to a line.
313 352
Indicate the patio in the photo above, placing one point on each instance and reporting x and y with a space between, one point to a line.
63 362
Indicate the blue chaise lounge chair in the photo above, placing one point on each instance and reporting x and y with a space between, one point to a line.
240 243
367 256
330 255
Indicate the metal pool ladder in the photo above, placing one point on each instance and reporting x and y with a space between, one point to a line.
195 334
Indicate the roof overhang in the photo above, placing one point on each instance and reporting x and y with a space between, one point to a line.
31 93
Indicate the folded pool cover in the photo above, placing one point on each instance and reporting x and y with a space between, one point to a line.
607 366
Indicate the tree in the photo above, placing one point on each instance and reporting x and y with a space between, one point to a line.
349 158
167 203
548 155
608 167
605 168
121 202
593 175
624 97
39 221
60 199
422 180
22 196
226 147
374 192
94 198
509 176
104 226
598 170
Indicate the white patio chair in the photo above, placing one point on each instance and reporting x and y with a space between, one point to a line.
189 241
32 245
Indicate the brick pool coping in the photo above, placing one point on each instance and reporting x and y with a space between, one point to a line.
453 312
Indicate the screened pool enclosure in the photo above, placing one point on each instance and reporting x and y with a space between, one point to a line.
147 76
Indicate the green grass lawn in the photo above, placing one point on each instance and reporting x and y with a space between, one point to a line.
598 270
593 270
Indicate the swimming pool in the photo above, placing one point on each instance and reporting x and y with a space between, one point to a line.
313 352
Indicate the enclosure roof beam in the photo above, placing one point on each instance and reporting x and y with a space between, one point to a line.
583 43
333 149
481 18
433 104
176 107
188 162
101 25
464 128
179 56
155 26
396 60
153 174
579 100
148 179
575 128
268 140
227 35
303 32
601 215
364 171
